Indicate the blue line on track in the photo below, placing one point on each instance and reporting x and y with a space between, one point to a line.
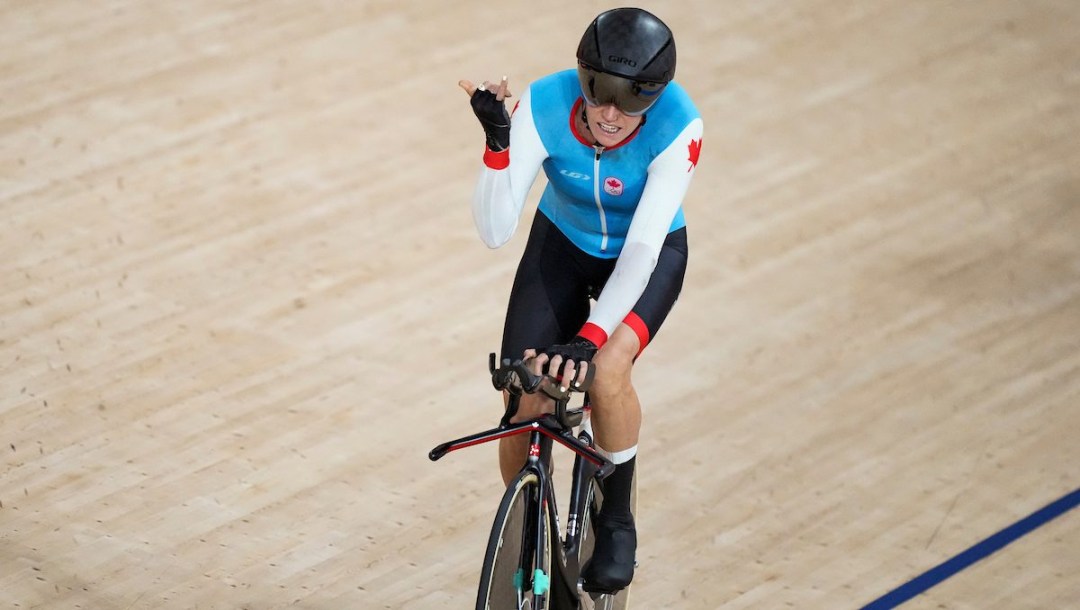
979 551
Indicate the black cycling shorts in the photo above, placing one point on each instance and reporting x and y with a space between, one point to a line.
555 281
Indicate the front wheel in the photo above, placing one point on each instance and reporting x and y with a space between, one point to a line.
510 578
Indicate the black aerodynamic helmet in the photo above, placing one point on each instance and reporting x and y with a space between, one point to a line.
626 58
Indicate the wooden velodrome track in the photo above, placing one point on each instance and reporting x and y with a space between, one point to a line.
243 296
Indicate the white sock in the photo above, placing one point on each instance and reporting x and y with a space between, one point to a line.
618 457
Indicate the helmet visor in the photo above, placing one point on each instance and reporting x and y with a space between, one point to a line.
629 96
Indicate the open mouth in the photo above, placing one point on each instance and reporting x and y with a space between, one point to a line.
608 129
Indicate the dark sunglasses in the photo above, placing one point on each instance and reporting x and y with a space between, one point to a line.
631 97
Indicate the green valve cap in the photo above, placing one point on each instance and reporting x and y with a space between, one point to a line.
541 583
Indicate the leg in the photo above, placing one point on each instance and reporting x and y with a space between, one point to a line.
616 412
617 418
512 456
548 304
616 421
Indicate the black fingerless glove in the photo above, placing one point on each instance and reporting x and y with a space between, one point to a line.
579 349
494 119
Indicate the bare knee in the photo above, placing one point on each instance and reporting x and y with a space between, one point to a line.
614 362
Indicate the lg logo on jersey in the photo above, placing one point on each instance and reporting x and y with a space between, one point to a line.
575 175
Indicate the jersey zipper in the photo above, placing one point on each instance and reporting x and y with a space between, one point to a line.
596 196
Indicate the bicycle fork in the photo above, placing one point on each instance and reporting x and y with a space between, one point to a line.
540 580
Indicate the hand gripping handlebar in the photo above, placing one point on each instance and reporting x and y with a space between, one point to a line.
515 377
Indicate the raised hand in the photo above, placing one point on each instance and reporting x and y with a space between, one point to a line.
488 106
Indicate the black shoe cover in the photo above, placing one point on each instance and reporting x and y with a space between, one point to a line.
612 566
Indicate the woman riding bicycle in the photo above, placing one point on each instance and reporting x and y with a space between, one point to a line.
619 143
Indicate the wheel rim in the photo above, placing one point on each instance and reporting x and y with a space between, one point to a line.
503 582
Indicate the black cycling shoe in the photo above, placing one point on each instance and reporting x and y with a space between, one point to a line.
612 565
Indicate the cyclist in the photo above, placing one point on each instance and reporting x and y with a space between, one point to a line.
619 143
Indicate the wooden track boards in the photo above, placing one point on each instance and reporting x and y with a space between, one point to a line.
243 297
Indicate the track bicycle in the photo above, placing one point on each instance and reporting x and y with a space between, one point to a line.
531 563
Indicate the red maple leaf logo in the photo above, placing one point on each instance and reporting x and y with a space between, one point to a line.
613 186
695 152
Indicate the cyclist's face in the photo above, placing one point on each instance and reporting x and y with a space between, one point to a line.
609 125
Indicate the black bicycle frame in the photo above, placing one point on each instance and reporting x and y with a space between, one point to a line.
583 471
546 425
542 431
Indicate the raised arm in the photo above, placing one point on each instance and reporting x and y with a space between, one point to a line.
508 172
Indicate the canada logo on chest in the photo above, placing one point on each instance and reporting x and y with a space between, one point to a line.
613 186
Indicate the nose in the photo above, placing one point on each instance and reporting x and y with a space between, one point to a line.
610 112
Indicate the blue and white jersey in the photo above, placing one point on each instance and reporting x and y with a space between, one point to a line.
618 202
593 194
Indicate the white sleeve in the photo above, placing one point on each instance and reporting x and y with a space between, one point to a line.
504 183
669 178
